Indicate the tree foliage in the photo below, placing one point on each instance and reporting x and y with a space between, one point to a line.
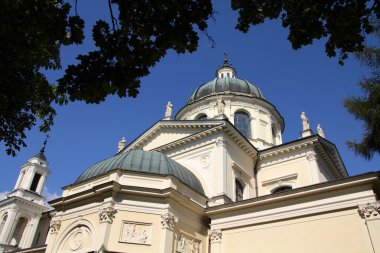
31 34
140 33
367 107
343 23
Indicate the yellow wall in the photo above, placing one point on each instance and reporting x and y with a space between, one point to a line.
334 232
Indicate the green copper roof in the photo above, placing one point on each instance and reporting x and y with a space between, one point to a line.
146 162
226 85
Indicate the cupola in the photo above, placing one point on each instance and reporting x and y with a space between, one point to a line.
226 70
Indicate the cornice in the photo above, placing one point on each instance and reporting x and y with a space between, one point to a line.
331 156
142 192
312 190
23 202
226 127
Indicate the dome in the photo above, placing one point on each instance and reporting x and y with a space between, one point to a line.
226 85
40 155
144 162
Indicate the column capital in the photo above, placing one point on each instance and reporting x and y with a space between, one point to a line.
370 210
55 226
107 214
311 156
215 235
220 142
168 221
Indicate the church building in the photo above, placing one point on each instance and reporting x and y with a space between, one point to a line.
214 178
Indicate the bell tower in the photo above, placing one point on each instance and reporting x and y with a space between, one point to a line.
21 210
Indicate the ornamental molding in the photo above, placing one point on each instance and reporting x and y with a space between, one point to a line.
168 221
280 180
215 235
107 215
370 210
55 226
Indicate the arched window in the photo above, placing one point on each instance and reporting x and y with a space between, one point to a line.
242 123
201 116
238 190
19 231
282 189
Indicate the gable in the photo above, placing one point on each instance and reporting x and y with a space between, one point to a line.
168 131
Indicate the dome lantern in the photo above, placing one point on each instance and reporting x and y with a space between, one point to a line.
226 70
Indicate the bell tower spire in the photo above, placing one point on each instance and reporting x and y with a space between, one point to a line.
20 212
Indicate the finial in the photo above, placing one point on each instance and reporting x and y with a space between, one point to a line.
320 131
225 62
42 151
169 109
121 144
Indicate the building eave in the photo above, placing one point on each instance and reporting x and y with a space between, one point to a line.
312 190
325 148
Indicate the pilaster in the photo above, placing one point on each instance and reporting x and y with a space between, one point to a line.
215 236
7 229
55 226
168 222
221 168
371 213
106 216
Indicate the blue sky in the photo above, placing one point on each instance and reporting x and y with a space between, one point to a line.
294 81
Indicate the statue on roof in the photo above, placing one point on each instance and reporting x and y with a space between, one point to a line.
305 122
169 109
121 144
320 131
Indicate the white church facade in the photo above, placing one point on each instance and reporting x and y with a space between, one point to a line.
215 178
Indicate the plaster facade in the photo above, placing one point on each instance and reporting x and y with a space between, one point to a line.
257 193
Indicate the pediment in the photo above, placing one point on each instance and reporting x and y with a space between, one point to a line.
169 131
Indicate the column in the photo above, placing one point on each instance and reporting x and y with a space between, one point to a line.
7 229
313 167
215 236
41 184
168 223
30 232
371 213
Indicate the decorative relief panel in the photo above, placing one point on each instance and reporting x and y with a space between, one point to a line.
77 240
186 244
205 161
80 239
136 232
